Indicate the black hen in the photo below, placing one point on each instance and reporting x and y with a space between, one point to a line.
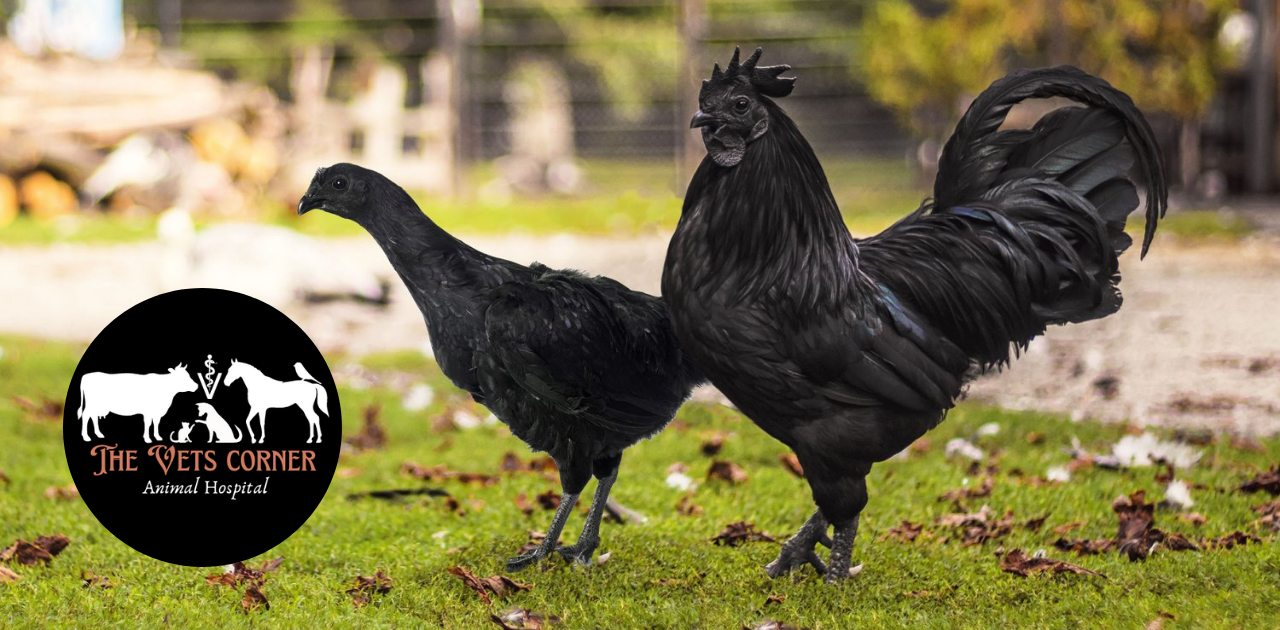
580 367
848 350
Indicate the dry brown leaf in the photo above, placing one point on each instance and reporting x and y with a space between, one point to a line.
68 492
1066 527
5 479
524 619
511 463
792 464
770 624
495 585
254 598
92 579
1230 541
1136 535
906 532
523 504
712 444
1019 563
774 599
1158 622
31 553
1244 443
442 472
920 446
549 500
1035 437
1084 547
685 506
364 588
43 410
1268 480
240 573
967 492
735 534
724 470
8 576
1194 518
372 435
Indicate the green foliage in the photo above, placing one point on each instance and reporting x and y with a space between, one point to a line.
934 582
1165 54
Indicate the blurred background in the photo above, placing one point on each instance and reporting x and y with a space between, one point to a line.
150 145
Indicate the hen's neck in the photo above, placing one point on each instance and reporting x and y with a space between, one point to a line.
772 220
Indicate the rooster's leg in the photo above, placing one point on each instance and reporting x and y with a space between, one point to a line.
589 539
842 550
800 549
567 501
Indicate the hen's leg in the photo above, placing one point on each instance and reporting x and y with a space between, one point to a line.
799 551
573 477
842 550
606 470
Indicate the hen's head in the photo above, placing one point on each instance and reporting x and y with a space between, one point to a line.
342 189
732 111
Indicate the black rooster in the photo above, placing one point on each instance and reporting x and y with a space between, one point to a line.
848 350
577 366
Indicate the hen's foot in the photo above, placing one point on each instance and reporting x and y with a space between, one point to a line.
799 551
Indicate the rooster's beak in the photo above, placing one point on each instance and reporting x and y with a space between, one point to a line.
700 120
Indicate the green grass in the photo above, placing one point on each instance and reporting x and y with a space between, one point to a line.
1206 224
933 583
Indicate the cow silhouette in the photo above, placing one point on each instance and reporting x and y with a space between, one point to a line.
268 393
148 395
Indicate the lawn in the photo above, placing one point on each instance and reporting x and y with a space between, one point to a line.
665 573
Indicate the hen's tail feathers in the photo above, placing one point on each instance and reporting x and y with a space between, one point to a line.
1079 148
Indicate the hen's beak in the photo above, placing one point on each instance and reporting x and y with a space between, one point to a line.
307 204
701 120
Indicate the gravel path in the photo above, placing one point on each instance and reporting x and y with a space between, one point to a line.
1196 344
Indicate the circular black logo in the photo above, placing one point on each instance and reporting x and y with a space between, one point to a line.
202 427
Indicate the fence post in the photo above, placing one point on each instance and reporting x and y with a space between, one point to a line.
460 28
691 24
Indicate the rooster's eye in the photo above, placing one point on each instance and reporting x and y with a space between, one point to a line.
339 184
741 105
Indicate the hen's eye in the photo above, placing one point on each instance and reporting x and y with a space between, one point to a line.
339 184
741 105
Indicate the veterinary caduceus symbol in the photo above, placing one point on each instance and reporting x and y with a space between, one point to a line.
209 380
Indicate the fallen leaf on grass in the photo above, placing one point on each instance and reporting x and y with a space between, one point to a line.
442 472
254 598
906 532
1137 534
727 471
371 435
497 585
712 444
397 493
960 494
1268 480
1270 515
62 493
792 464
978 527
364 588
1066 527
92 579
5 479
535 541
1230 541
735 534
1084 547
42 550
523 504
524 619
1019 563
549 500
678 581
1194 518
511 463
43 410
240 573
7 575
685 506
774 599
1158 622
1243 443
769 624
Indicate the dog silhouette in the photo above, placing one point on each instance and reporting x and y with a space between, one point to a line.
219 430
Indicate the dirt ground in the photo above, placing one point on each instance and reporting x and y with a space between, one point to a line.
1197 343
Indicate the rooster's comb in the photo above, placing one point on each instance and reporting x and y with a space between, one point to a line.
765 79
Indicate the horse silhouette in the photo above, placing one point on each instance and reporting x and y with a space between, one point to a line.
268 393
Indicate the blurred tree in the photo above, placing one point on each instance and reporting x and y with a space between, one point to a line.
923 57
